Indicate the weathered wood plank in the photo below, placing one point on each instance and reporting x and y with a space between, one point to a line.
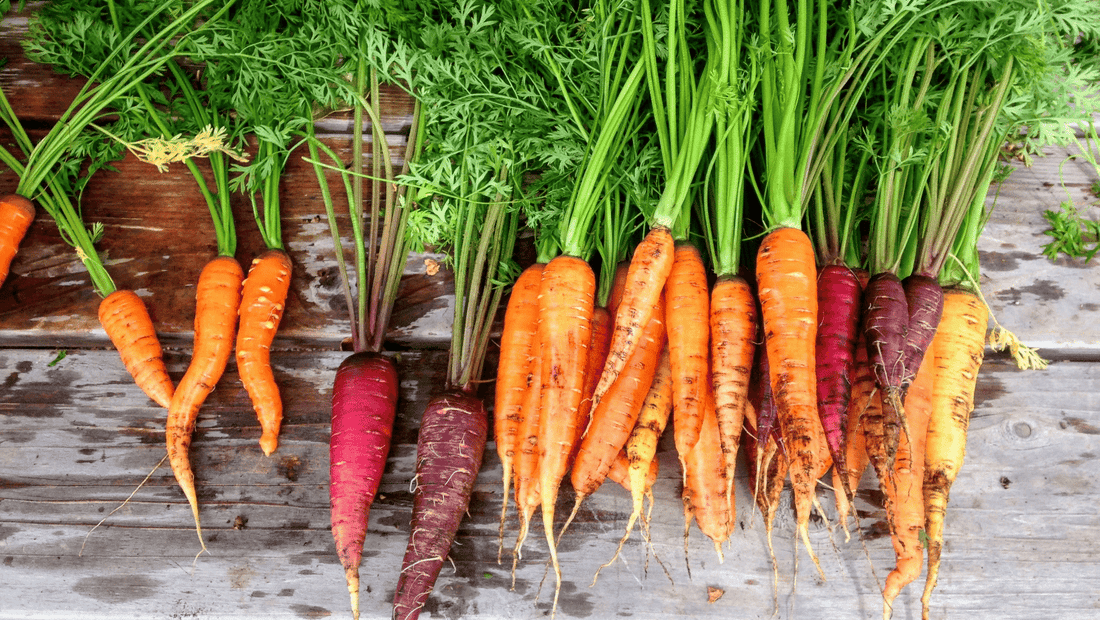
75 439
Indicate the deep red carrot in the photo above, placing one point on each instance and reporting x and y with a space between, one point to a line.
16 215
924 299
885 323
838 294
364 402
515 379
449 450
263 299
217 298
128 324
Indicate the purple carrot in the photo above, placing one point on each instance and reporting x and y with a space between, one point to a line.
838 294
364 400
925 300
452 440
885 325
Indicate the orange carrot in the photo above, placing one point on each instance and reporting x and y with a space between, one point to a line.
526 465
515 378
597 355
905 507
705 484
621 471
16 215
565 332
645 282
618 285
218 297
128 324
688 306
863 388
263 298
959 345
614 417
733 344
787 280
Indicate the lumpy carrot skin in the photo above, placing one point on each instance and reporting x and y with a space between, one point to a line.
263 299
924 299
16 216
838 293
958 347
364 403
885 323
515 378
565 326
217 298
687 302
449 448
620 473
705 485
733 327
641 447
905 506
787 285
645 283
614 417
127 322
846 478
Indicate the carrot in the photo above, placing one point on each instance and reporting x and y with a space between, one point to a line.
905 506
688 307
645 282
846 476
449 450
364 403
705 485
565 325
733 327
787 278
16 216
885 323
597 355
217 298
958 347
528 497
128 324
614 417
263 299
516 379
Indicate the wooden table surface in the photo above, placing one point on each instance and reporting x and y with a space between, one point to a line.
77 437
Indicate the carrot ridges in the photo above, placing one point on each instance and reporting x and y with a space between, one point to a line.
687 303
126 320
217 299
838 326
16 216
263 299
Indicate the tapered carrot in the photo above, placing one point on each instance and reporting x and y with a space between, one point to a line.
688 307
127 322
846 476
16 215
958 347
905 505
733 327
645 282
217 298
565 325
621 470
263 298
515 378
597 355
705 474
786 279
614 417
528 497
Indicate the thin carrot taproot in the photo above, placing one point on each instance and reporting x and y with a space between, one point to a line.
16 216
516 379
905 505
218 296
959 346
263 299
786 279
127 322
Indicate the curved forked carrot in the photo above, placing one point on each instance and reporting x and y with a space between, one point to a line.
614 417
127 322
16 215
958 346
645 283
705 473
732 348
565 332
217 298
905 506
687 302
515 379
787 284
263 298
